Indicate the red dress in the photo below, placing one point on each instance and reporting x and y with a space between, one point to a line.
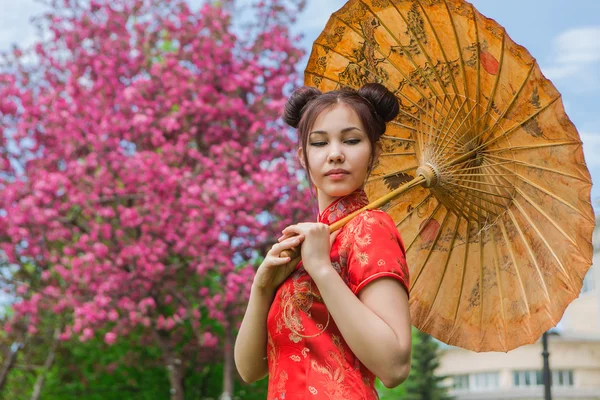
307 356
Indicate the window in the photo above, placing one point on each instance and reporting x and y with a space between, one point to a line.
460 382
535 378
484 381
562 378
527 378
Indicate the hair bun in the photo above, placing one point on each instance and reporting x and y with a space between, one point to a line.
384 102
296 104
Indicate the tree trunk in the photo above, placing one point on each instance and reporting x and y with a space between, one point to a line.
39 383
228 362
9 361
174 366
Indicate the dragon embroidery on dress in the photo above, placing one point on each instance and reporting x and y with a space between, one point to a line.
334 372
299 300
358 237
279 387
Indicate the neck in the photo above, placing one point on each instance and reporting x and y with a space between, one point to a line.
324 200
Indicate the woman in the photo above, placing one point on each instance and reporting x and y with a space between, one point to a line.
325 329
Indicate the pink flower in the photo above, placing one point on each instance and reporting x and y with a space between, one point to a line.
110 338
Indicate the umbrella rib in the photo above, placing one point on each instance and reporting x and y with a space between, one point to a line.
465 133
426 55
478 190
482 183
549 218
463 274
455 132
413 210
466 117
397 138
466 202
518 273
403 126
529 165
347 57
414 36
481 246
373 178
396 154
415 65
533 146
496 81
462 61
515 127
534 226
440 127
560 199
478 48
533 259
423 227
454 175
485 143
439 285
479 166
500 291
437 38
413 84
432 246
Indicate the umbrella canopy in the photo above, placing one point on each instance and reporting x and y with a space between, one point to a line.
490 190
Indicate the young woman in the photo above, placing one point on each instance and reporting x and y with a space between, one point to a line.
326 328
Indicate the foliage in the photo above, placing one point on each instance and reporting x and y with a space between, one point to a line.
141 162
423 383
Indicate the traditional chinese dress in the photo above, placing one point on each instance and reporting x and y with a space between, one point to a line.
307 356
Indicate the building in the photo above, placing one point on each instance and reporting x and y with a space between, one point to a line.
574 347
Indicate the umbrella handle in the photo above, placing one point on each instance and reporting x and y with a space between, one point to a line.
294 253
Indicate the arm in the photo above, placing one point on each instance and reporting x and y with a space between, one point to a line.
375 325
250 349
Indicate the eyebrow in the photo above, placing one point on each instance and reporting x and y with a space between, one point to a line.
351 128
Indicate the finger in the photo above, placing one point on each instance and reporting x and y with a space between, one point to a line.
287 235
332 237
284 245
280 260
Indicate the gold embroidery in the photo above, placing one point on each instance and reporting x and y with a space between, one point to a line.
334 372
300 299
275 386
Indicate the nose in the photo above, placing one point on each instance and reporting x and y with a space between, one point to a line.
335 155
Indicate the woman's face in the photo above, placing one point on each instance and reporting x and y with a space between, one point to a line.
337 141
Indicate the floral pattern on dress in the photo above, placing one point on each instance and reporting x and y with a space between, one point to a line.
307 356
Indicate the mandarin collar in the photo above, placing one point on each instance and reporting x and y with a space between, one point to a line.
343 206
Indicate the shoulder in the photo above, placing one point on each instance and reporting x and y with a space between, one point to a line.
371 221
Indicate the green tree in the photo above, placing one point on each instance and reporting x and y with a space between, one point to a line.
423 383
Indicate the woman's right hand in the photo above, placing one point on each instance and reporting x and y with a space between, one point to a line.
275 269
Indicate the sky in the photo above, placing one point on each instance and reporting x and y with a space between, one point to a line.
564 36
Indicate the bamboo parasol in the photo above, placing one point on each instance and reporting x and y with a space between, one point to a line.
482 171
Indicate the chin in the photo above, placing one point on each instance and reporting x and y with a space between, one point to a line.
339 190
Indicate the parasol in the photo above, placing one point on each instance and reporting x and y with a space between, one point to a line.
482 170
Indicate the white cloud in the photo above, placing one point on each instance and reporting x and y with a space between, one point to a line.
591 148
576 57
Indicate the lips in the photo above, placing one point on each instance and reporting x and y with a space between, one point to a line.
336 172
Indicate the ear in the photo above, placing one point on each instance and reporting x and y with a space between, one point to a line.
301 157
378 151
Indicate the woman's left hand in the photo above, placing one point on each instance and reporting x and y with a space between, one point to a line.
316 240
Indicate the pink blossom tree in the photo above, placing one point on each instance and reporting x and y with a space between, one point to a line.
143 168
